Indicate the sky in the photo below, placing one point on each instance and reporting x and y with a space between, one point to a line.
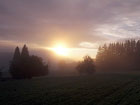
82 25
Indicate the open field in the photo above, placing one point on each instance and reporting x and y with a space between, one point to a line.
99 89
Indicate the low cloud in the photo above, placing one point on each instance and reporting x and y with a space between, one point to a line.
89 45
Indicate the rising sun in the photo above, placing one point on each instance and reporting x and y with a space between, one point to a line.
60 50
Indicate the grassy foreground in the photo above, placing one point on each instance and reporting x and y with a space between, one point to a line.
99 89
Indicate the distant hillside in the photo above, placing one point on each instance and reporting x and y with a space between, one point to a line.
5 58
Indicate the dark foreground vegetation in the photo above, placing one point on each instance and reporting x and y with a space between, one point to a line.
87 66
100 89
25 66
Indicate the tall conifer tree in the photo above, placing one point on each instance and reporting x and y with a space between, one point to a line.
25 52
16 56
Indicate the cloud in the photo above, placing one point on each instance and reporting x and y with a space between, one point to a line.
122 30
89 45
44 21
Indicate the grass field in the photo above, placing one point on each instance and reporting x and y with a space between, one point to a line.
99 89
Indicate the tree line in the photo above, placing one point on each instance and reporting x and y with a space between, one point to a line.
87 66
119 56
25 66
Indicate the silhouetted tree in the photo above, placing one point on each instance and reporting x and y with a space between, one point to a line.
37 67
15 68
25 52
119 56
86 66
25 66
25 63
16 54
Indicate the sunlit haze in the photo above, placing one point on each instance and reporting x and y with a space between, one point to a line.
61 50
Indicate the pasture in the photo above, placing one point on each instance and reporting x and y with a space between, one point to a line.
97 89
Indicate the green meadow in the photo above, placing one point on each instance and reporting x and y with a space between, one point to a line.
97 89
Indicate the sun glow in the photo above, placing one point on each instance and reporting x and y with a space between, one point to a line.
60 50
